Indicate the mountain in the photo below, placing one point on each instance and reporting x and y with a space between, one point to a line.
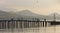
4 14
28 14
24 14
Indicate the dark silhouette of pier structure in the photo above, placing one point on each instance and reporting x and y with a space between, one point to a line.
20 23
6 24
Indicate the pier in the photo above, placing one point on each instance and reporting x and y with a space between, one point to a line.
8 24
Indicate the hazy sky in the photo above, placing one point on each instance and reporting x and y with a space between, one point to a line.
44 7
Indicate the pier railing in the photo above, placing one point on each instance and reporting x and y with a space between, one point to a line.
8 24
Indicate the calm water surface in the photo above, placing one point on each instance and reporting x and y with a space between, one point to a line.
52 29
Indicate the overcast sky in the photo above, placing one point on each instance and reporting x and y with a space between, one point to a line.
44 7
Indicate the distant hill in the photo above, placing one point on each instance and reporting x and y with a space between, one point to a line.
6 15
28 14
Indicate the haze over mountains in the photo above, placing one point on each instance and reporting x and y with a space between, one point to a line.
28 14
